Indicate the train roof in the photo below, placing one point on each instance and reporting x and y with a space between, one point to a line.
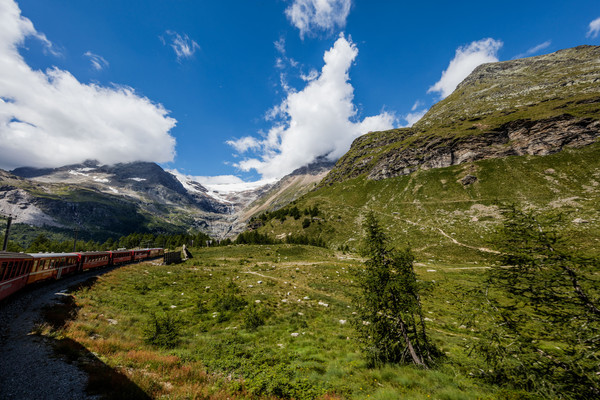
94 253
20 256
52 255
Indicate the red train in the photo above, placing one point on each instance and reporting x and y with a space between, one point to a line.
18 269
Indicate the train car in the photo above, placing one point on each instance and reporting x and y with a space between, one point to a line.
14 270
119 257
94 259
156 252
140 254
52 266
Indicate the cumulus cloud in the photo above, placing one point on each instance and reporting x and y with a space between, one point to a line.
319 120
244 144
466 59
413 117
594 28
183 46
534 49
49 118
98 62
312 16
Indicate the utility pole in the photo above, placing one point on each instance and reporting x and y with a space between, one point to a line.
75 240
8 222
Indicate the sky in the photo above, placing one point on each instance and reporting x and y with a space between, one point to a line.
235 91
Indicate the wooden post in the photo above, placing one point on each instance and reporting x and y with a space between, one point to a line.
8 222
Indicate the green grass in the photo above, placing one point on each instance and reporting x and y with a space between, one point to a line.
429 208
303 350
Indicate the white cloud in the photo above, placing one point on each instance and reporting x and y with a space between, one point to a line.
319 120
466 59
280 45
244 144
594 28
310 16
312 75
413 117
534 49
49 118
183 46
98 62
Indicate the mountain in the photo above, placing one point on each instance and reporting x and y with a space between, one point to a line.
289 188
103 200
534 106
521 132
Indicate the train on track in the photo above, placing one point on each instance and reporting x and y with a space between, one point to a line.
18 270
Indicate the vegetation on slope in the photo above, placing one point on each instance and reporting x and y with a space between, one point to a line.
493 101
263 322
447 221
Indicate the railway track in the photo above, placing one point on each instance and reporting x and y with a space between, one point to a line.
29 368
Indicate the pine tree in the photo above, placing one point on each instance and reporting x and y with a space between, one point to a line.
543 302
390 320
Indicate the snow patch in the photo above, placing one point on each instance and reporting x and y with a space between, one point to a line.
138 179
113 189
222 184
73 172
101 180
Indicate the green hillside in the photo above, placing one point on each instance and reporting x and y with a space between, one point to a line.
535 106
445 220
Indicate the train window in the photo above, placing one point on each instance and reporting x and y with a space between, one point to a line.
10 270
2 269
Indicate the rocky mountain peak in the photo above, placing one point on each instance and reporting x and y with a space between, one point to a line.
536 105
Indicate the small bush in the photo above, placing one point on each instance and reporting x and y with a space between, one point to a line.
142 288
305 223
253 318
229 300
162 331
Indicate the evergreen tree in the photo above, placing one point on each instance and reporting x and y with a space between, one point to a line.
543 302
390 320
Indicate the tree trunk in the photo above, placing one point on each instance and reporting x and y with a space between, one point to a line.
416 359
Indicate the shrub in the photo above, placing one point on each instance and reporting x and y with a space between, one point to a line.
162 331
253 318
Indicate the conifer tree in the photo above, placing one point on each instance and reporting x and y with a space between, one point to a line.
390 320
543 304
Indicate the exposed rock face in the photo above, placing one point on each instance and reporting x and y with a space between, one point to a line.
17 202
532 106
516 138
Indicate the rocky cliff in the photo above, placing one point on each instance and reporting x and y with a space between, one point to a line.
534 106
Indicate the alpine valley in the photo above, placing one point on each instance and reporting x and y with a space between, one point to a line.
523 131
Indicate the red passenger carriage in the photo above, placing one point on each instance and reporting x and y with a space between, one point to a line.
52 266
141 254
94 259
156 252
119 257
14 270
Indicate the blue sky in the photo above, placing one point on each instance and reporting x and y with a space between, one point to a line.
241 88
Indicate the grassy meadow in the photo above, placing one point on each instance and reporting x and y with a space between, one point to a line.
276 321
264 322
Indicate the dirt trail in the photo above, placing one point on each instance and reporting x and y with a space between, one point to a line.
29 368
